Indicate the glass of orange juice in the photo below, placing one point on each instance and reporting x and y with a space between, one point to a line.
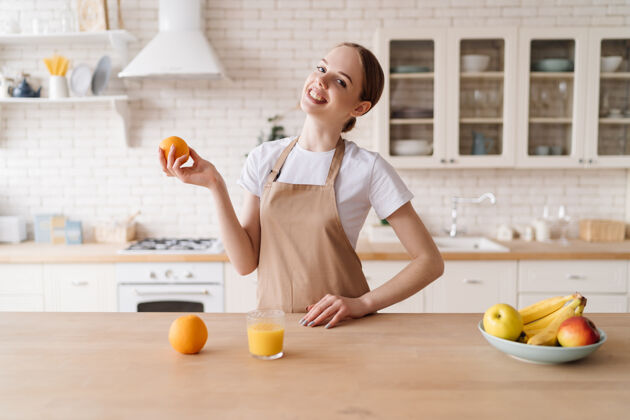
265 333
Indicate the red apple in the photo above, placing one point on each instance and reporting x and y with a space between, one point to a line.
577 331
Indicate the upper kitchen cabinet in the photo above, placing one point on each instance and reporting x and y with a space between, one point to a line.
481 75
411 116
608 105
553 69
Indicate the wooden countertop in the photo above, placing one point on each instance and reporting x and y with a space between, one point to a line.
386 366
31 252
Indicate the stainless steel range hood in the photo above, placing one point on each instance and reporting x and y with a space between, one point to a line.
180 50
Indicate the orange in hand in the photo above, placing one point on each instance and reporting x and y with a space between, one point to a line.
181 148
188 334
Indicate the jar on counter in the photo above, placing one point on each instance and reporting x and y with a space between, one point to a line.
542 230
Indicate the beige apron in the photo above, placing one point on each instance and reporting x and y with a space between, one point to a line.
304 251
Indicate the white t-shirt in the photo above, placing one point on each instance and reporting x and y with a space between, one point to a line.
365 179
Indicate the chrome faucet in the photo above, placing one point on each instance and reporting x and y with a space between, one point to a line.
452 232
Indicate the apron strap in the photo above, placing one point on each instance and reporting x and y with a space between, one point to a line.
276 169
336 162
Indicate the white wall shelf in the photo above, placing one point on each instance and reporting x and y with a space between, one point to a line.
118 39
118 102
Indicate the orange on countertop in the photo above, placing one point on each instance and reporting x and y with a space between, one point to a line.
188 334
181 148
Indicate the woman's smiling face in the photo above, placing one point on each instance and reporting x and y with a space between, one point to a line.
333 89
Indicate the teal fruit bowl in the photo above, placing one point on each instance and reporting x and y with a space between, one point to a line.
541 354
554 64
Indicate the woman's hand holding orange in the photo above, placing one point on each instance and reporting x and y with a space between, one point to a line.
333 309
201 173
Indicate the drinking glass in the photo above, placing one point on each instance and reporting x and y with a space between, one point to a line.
479 99
563 223
265 333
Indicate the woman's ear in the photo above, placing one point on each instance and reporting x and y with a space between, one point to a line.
361 109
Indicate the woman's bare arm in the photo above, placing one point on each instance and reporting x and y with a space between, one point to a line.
240 240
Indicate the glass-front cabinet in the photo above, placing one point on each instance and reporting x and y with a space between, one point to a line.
481 74
552 94
608 110
504 97
410 120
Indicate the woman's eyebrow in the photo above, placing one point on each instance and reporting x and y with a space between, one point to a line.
349 78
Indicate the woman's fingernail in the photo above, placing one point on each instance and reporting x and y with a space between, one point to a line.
327 325
300 321
311 323
303 321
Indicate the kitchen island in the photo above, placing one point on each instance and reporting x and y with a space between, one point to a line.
384 366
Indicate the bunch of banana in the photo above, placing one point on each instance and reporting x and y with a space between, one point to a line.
543 318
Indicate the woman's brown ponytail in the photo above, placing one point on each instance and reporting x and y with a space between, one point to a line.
373 80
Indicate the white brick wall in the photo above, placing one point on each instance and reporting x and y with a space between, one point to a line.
70 158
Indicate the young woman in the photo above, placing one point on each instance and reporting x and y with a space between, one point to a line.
307 197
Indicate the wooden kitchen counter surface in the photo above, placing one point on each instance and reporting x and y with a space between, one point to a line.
385 366
31 252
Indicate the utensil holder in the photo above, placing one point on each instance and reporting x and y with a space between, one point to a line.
58 87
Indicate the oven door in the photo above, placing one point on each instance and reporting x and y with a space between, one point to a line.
170 298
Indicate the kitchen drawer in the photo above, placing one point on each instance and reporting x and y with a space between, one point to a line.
594 302
569 276
22 303
21 279
79 287
472 286
379 272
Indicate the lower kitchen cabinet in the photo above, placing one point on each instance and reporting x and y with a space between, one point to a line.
240 291
80 288
21 287
379 272
604 283
472 286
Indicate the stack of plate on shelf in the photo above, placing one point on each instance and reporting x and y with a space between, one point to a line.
82 77
412 112
411 147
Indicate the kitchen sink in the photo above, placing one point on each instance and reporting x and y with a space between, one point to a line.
468 244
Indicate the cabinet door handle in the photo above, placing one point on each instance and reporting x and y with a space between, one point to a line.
442 160
472 281
576 277
79 282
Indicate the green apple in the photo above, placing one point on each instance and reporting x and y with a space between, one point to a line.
503 321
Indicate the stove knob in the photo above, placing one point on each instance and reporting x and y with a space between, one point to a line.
188 275
168 273
152 275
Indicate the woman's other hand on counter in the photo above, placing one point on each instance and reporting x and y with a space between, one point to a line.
332 309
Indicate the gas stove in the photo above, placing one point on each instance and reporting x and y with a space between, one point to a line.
174 246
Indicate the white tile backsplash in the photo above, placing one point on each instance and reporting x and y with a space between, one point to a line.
71 158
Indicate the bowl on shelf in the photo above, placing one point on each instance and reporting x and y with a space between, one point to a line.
553 64
410 69
541 354
610 63
411 147
475 62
